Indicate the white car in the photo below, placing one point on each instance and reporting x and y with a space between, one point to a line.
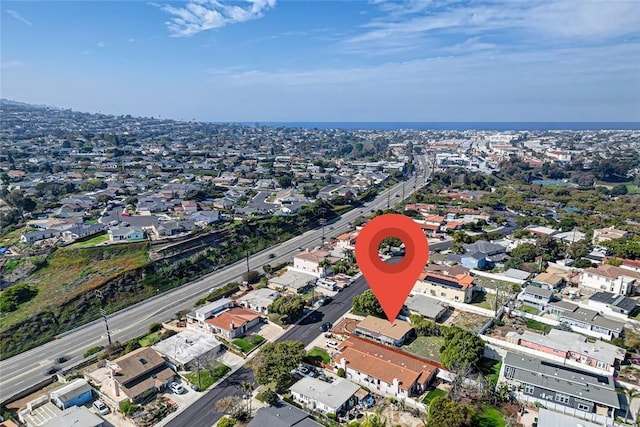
177 388
101 407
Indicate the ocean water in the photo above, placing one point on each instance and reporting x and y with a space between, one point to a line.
458 126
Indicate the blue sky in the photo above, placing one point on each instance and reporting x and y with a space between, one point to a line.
275 60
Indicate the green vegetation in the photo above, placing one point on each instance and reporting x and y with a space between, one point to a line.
13 296
93 350
268 396
436 392
444 412
273 365
538 326
11 265
530 309
427 347
247 344
461 348
226 290
289 308
489 417
227 422
366 304
319 354
491 369
208 377
65 281
90 242
127 408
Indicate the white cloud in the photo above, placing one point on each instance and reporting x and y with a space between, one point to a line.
101 44
15 14
13 63
202 15
436 22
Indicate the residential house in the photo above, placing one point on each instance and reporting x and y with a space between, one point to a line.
572 346
137 376
548 280
559 387
36 236
609 302
184 350
425 306
259 300
120 233
204 218
492 251
540 230
536 296
609 278
233 323
590 320
292 281
312 262
549 418
384 370
82 230
48 415
383 331
74 393
189 207
605 234
455 288
569 237
331 398
282 414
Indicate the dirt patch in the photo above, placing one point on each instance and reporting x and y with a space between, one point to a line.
22 403
466 320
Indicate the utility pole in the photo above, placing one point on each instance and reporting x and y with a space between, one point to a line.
246 240
388 198
322 221
103 312
402 190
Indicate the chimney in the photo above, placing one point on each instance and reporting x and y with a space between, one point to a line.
232 326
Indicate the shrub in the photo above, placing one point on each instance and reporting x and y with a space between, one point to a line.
332 416
132 345
341 373
127 408
268 396
227 422
93 350
155 327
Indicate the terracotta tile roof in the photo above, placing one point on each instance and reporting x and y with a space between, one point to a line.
384 363
434 227
237 316
453 224
612 271
465 281
434 218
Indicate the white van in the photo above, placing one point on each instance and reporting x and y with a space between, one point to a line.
332 344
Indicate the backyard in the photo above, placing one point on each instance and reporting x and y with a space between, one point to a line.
320 355
427 347
90 242
472 322
436 392
491 369
489 416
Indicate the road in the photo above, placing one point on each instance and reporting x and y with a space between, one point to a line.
203 412
25 370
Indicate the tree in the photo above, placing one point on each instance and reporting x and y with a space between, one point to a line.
232 406
444 412
349 255
583 263
630 394
526 252
290 306
276 361
284 180
268 396
366 304
579 249
251 277
227 422
373 420
461 348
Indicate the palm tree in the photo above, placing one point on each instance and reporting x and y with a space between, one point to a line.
630 394
323 265
247 389
349 255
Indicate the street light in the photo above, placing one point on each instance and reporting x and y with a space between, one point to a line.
100 295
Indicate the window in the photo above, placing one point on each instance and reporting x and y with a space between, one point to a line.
562 398
455 298
509 371
443 294
584 407
528 389
433 293
602 365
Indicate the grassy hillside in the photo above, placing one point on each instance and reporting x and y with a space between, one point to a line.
65 282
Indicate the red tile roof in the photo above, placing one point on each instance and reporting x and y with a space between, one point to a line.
237 316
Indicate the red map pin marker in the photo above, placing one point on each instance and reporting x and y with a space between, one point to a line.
391 283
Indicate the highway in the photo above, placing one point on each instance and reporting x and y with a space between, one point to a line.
25 370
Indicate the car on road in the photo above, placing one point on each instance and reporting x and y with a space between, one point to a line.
325 300
271 256
325 326
177 388
50 370
113 223
61 359
101 407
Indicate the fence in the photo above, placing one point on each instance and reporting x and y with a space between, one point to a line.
498 277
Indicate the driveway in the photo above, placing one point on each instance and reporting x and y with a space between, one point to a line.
184 399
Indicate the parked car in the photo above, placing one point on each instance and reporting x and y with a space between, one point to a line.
325 300
101 407
302 370
177 388
333 344
325 326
